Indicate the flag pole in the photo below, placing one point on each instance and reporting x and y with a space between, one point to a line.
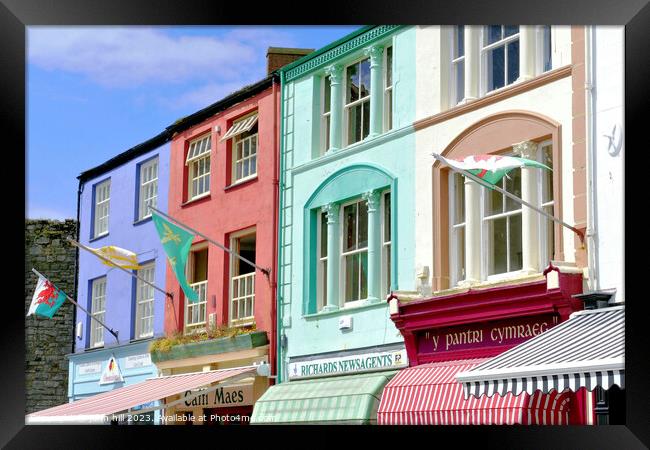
77 244
265 271
114 333
473 177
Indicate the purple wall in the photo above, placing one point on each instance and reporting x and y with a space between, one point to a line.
124 232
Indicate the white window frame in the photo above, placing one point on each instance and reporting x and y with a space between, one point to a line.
454 270
385 245
342 266
144 300
326 116
202 288
486 48
234 262
321 270
148 193
455 63
347 107
102 208
98 311
388 90
238 141
199 163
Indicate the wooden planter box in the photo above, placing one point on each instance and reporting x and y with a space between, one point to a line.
212 346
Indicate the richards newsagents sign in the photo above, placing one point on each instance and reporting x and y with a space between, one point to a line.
367 362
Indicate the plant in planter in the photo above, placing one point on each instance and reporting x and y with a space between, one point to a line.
165 344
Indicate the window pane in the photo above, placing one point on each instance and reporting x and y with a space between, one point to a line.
387 218
460 41
495 68
498 247
493 33
352 277
245 170
516 257
363 224
387 269
366 119
459 198
460 80
509 30
364 77
460 252
363 273
354 124
550 234
513 185
546 48
327 94
353 83
513 61
494 202
253 165
389 66
200 265
547 175
389 109
323 235
350 227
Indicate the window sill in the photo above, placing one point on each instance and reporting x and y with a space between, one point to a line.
97 238
347 310
241 182
196 199
141 221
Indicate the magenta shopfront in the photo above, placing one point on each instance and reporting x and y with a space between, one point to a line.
449 334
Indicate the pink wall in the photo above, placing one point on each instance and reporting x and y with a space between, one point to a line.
228 210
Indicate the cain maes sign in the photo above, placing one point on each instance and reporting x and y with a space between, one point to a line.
223 396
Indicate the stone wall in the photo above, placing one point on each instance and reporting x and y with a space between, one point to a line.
47 341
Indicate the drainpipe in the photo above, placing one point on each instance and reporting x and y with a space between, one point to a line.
279 355
590 144
75 294
274 281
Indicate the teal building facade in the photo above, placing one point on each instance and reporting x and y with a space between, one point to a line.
346 230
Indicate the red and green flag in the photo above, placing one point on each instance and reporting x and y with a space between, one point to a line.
47 298
490 168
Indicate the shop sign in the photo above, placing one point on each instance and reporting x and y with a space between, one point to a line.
137 361
112 373
89 368
367 362
482 335
223 396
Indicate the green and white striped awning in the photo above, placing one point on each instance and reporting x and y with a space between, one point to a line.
351 399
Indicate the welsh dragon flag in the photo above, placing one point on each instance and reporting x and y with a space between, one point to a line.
490 168
47 298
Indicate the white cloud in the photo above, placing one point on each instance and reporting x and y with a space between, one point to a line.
133 56
39 212
203 96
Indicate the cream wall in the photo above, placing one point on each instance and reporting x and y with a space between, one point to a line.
552 100
609 112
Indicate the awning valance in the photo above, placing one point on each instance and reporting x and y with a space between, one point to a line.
351 399
94 409
240 127
586 351
429 394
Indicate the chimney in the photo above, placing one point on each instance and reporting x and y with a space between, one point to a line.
277 57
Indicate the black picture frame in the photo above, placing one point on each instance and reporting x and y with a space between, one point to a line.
16 15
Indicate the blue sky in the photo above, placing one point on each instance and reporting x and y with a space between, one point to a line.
94 92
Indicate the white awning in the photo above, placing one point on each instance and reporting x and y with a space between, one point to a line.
240 127
198 148
98 408
586 351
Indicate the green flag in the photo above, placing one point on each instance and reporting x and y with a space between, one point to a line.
177 243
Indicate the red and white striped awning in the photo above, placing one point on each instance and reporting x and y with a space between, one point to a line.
94 409
430 395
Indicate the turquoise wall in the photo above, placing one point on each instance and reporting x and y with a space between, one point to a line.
310 181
